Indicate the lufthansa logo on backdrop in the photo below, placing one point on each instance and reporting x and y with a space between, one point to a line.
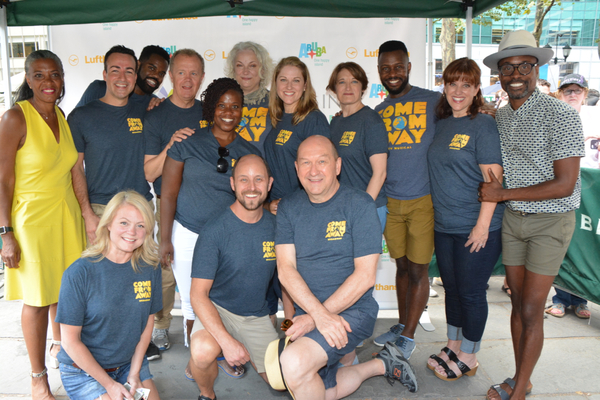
369 53
377 90
351 52
73 60
459 141
209 55
335 230
99 59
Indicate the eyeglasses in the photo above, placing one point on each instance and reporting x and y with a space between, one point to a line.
524 68
569 92
222 163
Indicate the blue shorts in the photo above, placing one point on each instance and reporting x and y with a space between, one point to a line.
362 325
81 386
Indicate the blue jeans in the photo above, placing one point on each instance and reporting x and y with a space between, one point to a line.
382 213
567 299
81 386
465 276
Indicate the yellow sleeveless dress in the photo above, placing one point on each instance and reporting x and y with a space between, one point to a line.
45 213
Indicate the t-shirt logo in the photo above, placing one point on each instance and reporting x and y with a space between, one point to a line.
459 141
405 123
135 125
347 138
203 123
335 230
269 251
283 137
253 123
142 290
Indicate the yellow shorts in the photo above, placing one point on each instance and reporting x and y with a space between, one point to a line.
409 229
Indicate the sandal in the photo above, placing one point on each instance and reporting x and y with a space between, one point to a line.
556 310
451 375
582 311
438 360
506 290
53 360
502 393
233 372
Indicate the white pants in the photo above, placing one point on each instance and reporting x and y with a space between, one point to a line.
184 242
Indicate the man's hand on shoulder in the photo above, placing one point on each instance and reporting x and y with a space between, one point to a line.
154 102
235 353
302 324
333 327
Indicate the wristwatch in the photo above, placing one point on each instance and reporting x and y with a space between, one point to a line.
5 229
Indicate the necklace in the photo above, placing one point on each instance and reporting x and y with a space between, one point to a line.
46 116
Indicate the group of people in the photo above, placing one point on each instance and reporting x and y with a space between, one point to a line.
238 231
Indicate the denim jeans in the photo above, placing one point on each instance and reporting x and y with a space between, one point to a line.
382 213
465 276
567 299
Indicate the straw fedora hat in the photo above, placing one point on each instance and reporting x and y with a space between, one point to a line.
273 365
518 43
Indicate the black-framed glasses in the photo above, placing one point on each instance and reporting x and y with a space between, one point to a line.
524 68
222 163
569 92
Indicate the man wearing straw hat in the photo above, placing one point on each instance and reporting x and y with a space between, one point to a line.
328 242
542 142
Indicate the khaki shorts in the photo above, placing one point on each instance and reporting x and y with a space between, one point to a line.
409 229
537 241
255 333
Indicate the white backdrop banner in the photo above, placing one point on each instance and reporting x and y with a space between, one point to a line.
321 43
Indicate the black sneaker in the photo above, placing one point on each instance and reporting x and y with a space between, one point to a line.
152 353
397 367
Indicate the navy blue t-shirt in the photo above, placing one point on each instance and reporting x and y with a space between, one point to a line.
459 146
112 303
97 90
256 124
328 237
204 192
356 138
240 258
162 122
281 148
112 142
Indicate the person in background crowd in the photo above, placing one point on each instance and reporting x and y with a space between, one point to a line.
409 226
234 261
251 66
295 116
334 225
544 86
103 349
196 187
467 233
542 141
592 97
573 91
177 118
151 70
41 228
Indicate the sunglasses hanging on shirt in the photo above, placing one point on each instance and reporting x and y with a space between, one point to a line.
222 163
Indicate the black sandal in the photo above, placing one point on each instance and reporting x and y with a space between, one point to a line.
438 360
464 370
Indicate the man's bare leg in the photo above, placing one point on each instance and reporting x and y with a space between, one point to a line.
529 294
350 378
300 362
204 351
413 279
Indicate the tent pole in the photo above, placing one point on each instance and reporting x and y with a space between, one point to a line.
430 63
5 59
469 31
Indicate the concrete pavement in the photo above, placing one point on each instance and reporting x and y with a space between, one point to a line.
567 369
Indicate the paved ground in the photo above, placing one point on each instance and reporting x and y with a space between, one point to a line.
567 369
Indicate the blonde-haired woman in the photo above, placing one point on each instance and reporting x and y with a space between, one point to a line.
250 64
295 116
107 303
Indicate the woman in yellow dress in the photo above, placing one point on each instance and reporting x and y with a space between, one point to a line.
41 226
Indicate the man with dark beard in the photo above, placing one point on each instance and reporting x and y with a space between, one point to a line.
542 142
152 68
234 260
408 113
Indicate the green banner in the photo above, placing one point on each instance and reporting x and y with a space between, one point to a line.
580 271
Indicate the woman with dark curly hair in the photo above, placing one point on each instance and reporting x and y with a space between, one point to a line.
196 182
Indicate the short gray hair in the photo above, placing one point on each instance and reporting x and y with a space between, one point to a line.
264 59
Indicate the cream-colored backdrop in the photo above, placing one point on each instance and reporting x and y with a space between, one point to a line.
321 43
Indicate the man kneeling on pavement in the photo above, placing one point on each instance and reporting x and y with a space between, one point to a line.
233 262
328 243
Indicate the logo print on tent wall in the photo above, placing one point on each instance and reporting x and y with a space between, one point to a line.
310 50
